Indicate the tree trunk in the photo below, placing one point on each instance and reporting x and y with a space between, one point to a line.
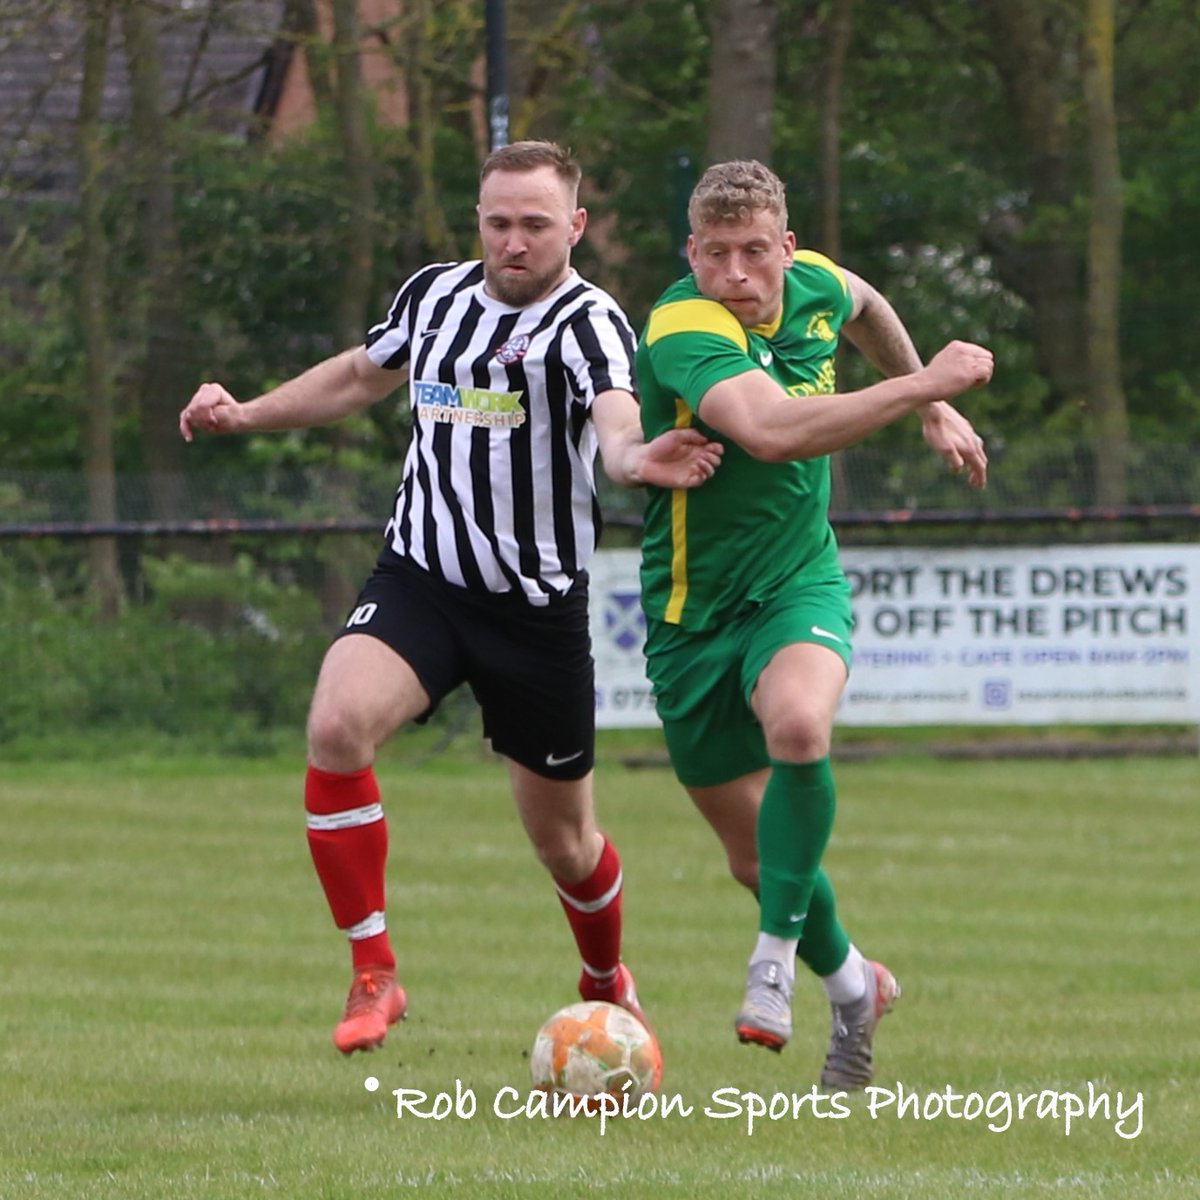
1107 397
341 569
104 573
1037 252
355 291
741 79
829 172
438 237
829 221
168 374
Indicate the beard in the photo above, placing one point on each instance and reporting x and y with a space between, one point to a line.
524 288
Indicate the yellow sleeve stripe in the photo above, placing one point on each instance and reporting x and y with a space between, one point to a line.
695 316
817 259
679 586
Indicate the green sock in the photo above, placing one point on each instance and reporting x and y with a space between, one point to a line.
794 824
824 943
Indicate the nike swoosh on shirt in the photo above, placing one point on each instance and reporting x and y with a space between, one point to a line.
833 637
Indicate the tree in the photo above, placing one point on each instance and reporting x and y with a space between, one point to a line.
167 369
633 117
741 80
829 220
1106 394
355 149
99 466
1037 250
357 271
1158 95
435 229
544 51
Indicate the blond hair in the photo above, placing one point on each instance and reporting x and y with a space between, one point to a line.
529 156
729 193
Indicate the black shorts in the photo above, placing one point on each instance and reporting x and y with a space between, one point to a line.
529 667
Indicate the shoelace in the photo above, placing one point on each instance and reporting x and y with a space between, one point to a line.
363 993
777 993
849 1044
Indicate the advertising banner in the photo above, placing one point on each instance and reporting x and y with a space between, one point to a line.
618 632
1007 636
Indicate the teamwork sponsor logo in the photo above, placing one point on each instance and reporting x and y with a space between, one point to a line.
449 405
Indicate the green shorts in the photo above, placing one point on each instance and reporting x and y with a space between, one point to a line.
703 681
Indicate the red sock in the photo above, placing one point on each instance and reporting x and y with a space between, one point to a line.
593 908
347 837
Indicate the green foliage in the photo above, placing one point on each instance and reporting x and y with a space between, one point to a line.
41 366
932 157
1161 284
636 121
216 651
262 231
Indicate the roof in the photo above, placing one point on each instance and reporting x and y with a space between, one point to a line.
216 56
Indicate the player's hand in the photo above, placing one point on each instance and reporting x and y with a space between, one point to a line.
679 458
956 368
211 410
952 436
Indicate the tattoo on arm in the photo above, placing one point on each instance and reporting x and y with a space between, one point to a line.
878 332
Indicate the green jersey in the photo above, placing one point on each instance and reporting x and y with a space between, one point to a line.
708 551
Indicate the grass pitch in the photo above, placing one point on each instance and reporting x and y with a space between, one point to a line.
170 979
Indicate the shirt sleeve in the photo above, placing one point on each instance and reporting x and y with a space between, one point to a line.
694 344
389 344
598 350
825 277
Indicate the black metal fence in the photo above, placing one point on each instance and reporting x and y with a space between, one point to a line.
1034 486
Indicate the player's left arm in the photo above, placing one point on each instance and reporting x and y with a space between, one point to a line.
875 329
679 458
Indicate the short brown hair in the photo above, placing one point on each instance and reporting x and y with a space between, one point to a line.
529 155
731 192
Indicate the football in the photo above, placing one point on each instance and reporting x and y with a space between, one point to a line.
591 1048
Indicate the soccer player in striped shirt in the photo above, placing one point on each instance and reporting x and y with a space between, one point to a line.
748 611
518 370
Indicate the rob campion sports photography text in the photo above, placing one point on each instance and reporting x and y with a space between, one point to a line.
998 1111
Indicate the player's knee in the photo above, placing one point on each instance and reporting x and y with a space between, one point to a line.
336 738
798 737
566 854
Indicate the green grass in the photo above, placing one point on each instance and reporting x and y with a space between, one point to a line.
170 978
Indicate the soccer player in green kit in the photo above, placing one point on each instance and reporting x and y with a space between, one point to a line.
748 610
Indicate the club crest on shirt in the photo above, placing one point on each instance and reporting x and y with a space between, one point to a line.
513 350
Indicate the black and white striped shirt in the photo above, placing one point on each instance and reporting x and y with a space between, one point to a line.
498 491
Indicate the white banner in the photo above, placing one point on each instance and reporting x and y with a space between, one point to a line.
618 633
1007 636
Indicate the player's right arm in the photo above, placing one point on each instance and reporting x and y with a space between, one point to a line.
331 390
753 410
